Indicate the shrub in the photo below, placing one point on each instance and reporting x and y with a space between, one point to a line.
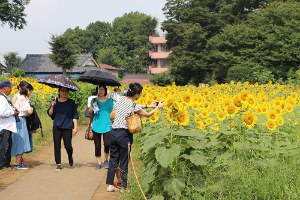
162 79
17 72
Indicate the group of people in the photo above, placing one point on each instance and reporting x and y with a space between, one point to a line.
15 139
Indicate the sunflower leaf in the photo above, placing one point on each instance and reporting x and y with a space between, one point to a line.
166 156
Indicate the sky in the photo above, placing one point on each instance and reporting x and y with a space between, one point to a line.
47 17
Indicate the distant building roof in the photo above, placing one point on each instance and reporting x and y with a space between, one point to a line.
137 78
158 70
41 63
2 66
157 40
141 81
109 67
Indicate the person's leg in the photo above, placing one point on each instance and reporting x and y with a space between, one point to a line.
8 152
124 156
4 148
106 138
67 137
97 142
114 159
57 135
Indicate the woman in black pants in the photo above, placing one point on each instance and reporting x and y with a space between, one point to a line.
120 136
64 114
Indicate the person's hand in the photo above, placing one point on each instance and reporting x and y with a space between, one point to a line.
153 104
74 131
53 103
161 105
16 112
95 104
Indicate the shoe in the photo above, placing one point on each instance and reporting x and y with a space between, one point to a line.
112 189
98 167
22 166
25 163
58 168
125 189
71 162
119 186
106 163
6 168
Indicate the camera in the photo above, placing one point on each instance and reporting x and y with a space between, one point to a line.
17 116
157 102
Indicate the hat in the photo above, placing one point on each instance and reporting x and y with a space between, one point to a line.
6 83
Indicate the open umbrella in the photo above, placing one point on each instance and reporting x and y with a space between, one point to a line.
98 77
56 81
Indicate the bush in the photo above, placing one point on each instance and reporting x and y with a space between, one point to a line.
17 72
162 79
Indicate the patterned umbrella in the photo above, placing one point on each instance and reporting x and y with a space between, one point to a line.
56 81
98 77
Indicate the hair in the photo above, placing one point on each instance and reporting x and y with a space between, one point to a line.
28 86
134 88
23 91
116 89
93 92
105 88
59 88
22 84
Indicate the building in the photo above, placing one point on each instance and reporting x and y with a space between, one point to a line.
159 55
136 78
113 70
40 65
2 69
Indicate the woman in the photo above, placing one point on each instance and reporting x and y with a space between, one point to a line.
120 137
64 114
21 140
101 123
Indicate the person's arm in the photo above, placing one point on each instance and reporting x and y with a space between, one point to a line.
149 114
50 111
75 126
6 110
13 100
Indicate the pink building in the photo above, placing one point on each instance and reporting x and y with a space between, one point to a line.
159 55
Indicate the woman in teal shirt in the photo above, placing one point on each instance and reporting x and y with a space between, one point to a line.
101 107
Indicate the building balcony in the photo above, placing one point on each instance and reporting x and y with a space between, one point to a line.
159 55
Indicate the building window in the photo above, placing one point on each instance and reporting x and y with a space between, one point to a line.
165 63
164 48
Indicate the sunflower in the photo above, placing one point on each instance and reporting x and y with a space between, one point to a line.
153 119
244 94
294 95
249 119
209 120
187 97
237 101
171 115
280 121
258 109
201 126
169 101
288 107
144 120
272 115
204 113
221 116
215 127
182 117
231 110
271 125
251 101
278 110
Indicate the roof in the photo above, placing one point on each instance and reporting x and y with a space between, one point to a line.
41 63
141 81
157 70
109 67
137 76
157 40
2 66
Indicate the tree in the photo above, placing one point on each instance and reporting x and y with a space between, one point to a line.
64 52
269 38
12 12
108 56
12 59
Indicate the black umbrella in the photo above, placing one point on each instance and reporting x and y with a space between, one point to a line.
56 81
98 77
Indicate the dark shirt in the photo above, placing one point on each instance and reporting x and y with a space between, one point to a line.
63 114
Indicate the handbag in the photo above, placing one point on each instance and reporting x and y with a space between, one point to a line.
134 121
89 133
86 113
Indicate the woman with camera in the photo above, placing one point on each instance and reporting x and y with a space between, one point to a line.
20 140
120 136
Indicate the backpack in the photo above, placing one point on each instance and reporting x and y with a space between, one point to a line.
33 122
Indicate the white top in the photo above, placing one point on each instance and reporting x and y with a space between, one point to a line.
23 106
89 100
115 97
123 109
7 120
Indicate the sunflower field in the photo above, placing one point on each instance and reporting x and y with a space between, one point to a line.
227 141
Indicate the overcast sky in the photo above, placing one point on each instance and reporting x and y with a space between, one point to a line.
46 17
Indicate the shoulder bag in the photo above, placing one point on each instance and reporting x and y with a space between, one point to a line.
134 121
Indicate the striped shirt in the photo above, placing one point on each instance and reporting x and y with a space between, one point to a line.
123 109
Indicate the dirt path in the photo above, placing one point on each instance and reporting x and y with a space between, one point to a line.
40 181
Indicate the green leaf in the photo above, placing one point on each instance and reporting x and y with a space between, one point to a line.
166 156
174 186
157 197
153 140
196 158
241 145
196 144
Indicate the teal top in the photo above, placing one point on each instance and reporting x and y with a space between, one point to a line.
101 120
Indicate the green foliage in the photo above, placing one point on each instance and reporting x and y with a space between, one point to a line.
17 72
12 12
64 52
12 59
162 79
108 56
